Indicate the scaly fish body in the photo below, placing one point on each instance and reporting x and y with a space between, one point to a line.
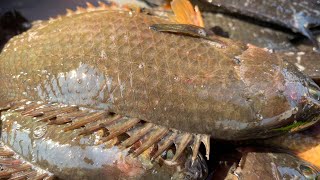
111 60
69 156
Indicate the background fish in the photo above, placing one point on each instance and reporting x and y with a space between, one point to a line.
296 15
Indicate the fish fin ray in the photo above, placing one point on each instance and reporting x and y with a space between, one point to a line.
184 13
15 168
101 6
87 122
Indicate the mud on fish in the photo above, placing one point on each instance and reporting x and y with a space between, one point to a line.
107 95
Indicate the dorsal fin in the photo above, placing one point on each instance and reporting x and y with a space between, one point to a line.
102 6
87 122
90 7
184 13
187 21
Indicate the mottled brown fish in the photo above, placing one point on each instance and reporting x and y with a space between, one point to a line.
66 155
146 83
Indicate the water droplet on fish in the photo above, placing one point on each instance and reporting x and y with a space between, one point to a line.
141 65
154 171
79 81
259 116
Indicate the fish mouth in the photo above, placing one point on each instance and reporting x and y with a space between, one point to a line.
310 109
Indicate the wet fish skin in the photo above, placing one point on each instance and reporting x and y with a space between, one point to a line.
70 156
111 60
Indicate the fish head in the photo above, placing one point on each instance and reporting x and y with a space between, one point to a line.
303 94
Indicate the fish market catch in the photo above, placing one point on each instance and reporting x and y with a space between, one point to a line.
108 70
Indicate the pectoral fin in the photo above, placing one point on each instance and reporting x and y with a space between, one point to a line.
188 30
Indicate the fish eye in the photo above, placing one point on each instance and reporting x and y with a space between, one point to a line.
314 91
309 172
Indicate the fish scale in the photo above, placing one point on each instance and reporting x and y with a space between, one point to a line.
102 149
107 74
111 60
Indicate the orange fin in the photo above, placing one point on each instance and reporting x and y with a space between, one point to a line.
185 13
312 155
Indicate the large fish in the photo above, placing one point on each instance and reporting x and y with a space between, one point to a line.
148 82
67 155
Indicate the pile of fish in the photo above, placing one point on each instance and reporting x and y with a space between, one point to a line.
122 92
